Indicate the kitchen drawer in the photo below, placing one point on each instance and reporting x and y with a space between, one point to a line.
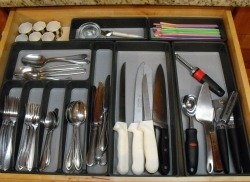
66 14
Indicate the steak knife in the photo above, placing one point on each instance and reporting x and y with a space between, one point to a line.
95 125
121 127
102 140
160 120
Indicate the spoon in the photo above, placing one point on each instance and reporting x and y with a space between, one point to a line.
77 114
48 76
20 71
50 123
189 104
38 60
69 157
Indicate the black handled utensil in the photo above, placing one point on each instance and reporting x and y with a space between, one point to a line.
221 130
189 104
200 76
160 120
233 144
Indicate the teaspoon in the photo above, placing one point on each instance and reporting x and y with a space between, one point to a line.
38 60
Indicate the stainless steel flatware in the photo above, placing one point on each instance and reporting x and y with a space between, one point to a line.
138 159
10 116
95 125
121 127
76 115
27 151
37 60
109 33
51 76
50 123
102 139
20 71
205 115
149 138
160 120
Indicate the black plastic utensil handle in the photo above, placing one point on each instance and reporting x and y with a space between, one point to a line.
163 151
192 150
223 147
202 77
234 147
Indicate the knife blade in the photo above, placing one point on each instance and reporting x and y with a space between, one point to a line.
94 128
138 159
160 120
149 139
205 115
102 139
121 127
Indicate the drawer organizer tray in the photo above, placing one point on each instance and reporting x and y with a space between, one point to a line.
142 27
106 58
213 58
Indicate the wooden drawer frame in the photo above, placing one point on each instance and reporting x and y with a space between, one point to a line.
65 14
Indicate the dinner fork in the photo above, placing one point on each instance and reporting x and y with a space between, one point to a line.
10 115
31 115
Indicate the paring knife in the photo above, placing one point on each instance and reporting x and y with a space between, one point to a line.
94 128
137 143
102 139
205 115
121 127
149 139
160 120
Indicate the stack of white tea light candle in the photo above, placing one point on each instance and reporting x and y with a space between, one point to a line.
39 31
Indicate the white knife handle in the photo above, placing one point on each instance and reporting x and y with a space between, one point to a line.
137 149
126 35
122 147
150 146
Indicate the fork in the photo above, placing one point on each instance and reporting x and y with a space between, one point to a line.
31 116
10 115
3 130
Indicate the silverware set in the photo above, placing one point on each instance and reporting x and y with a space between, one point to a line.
37 67
10 117
76 114
25 160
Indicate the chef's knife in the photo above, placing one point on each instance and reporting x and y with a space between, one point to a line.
149 139
102 140
137 144
97 119
205 115
121 127
160 120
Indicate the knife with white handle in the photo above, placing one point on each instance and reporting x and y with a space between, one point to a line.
122 147
146 126
121 128
137 149
137 143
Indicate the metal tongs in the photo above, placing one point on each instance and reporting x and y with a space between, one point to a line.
226 126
